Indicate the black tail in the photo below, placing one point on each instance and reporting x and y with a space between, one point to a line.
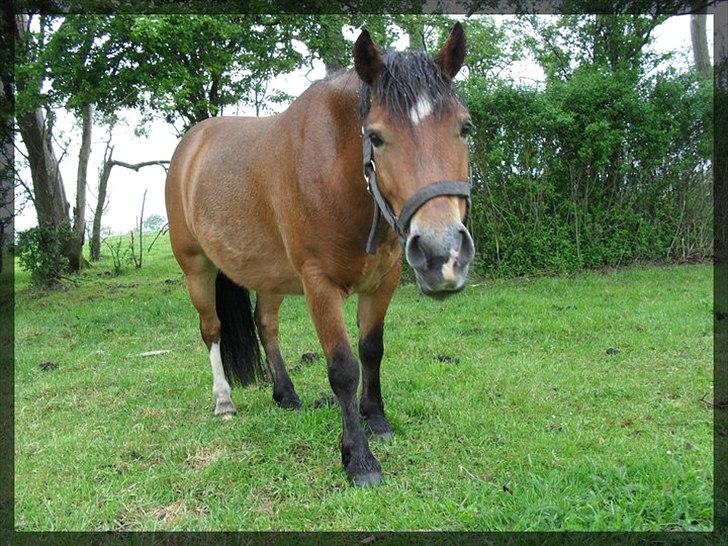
239 346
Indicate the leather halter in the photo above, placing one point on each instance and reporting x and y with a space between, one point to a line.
400 224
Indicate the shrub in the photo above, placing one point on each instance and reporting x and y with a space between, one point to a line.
41 251
120 256
596 170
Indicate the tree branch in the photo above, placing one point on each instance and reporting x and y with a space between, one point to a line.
26 188
137 166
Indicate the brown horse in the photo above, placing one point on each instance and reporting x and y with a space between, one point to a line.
278 205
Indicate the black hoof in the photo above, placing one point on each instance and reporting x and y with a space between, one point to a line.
370 478
289 401
363 469
378 427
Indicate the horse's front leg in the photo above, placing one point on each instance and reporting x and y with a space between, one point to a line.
325 301
370 317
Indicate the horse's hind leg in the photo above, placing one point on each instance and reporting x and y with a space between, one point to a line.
200 274
266 319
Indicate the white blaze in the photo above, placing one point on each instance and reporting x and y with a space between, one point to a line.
421 109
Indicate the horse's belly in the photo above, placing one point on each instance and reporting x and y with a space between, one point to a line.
274 283
253 259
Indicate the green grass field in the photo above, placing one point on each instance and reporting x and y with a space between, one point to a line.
579 403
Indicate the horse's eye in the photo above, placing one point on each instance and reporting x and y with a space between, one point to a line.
466 128
375 139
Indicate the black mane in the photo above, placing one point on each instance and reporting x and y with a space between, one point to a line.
407 75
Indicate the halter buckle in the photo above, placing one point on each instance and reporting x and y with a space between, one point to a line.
368 174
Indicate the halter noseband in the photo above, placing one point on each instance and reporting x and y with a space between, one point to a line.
400 224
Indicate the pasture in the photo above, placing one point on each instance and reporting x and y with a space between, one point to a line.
579 403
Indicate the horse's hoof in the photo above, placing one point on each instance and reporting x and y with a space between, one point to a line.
370 478
225 409
289 402
362 470
379 428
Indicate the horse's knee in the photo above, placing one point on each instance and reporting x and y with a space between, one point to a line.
267 325
343 371
371 347
268 329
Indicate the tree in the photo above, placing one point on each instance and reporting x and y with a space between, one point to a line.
325 39
188 68
328 42
154 222
607 42
45 56
699 39
35 126
101 194
422 30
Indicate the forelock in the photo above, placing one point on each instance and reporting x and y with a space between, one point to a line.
407 79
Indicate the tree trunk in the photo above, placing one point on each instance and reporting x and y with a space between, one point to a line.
79 212
699 38
49 197
109 163
100 204
7 182
51 205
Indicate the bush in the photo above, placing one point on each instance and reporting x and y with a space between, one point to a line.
120 256
596 170
41 251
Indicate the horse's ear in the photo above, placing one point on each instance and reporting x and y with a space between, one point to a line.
451 56
367 59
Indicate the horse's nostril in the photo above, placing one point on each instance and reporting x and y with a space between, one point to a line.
467 248
415 253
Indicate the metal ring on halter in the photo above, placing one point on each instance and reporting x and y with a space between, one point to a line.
367 175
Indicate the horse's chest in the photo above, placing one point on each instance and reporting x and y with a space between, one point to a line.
376 267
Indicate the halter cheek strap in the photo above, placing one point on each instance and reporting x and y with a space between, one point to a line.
400 224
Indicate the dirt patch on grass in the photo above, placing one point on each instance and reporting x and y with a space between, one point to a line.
266 508
151 412
170 514
203 457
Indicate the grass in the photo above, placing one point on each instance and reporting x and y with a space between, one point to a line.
530 425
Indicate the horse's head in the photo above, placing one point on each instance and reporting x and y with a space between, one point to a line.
418 129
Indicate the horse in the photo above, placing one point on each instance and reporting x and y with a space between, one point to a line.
323 199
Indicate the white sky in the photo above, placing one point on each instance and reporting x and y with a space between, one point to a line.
126 187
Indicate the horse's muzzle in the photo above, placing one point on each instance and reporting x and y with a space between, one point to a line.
440 258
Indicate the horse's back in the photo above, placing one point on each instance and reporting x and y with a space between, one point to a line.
210 149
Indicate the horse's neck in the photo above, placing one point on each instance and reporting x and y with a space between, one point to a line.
327 143
345 80
328 114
